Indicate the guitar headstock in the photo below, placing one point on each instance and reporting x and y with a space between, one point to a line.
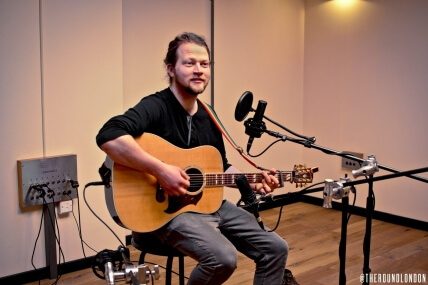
303 175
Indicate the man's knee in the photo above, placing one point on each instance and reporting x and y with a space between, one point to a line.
283 246
228 262
279 250
216 270
222 262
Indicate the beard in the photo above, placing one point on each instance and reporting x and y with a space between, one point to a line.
195 90
190 87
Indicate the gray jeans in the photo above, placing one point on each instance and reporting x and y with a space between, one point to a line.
212 240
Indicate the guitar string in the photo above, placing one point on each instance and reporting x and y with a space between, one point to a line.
227 178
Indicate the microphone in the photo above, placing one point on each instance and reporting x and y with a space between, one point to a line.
255 126
243 107
249 198
247 194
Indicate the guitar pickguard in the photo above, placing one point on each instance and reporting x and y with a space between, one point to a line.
196 184
177 203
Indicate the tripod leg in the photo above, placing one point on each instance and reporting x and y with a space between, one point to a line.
342 246
367 237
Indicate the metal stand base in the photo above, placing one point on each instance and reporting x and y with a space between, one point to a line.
50 240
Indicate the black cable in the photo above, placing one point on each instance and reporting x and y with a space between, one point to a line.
289 194
304 190
353 203
59 248
35 245
279 219
301 192
266 149
42 192
75 185
92 211
79 227
57 226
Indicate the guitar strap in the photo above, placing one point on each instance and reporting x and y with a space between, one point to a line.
222 129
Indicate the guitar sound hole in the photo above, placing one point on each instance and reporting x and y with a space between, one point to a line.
196 179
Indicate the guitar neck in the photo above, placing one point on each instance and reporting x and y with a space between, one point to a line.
228 179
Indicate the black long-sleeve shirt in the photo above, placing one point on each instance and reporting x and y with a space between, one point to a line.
161 114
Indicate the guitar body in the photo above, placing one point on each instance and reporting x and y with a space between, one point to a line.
137 202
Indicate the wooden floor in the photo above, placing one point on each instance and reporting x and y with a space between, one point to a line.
313 234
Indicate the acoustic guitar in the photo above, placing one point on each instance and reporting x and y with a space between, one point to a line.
137 202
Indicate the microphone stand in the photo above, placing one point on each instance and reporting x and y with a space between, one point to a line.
282 199
343 240
367 236
309 142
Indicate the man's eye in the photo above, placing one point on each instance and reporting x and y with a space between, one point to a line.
205 64
189 63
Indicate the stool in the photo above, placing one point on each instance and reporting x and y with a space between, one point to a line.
148 243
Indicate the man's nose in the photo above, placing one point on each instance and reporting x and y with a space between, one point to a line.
197 68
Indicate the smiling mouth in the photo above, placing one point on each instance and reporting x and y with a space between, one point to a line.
197 80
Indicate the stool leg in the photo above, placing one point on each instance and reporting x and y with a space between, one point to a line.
181 269
142 257
168 270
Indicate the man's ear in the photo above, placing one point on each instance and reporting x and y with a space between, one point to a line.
170 70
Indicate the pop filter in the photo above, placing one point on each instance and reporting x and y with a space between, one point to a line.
244 106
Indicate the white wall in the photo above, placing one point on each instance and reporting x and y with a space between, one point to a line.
82 78
20 125
355 79
65 90
148 27
366 89
260 49
54 99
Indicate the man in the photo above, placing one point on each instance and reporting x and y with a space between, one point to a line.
176 115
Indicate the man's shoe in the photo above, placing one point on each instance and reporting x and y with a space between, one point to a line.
289 278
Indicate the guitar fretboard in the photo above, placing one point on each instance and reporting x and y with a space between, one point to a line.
228 179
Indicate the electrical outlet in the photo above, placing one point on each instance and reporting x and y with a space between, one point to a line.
65 207
350 163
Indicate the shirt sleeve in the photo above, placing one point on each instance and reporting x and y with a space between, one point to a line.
134 121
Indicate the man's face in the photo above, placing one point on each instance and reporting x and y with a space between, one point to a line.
192 71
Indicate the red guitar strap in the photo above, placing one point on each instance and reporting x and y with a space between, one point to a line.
226 135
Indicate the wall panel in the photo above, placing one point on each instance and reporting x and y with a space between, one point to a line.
365 91
259 48
21 125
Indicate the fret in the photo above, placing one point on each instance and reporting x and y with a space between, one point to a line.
228 179
253 178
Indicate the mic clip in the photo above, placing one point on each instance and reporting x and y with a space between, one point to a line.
254 128
248 206
336 190
105 174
